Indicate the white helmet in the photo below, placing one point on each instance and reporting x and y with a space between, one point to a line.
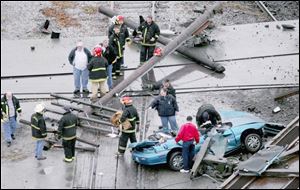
39 108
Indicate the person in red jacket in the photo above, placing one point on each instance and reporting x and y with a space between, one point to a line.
188 133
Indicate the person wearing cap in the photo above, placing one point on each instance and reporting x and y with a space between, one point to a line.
208 117
188 133
10 106
98 74
79 57
166 84
67 131
150 33
130 113
116 41
38 129
108 53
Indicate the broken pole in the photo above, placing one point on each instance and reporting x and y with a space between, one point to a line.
81 117
172 46
199 57
83 102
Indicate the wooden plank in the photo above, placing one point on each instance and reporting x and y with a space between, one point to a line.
200 156
107 163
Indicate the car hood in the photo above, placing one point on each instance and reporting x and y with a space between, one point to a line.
238 118
143 144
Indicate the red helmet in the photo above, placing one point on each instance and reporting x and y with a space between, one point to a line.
97 51
157 51
120 17
126 100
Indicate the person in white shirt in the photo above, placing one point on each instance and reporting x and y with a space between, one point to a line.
79 57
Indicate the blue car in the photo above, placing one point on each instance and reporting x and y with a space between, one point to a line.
239 129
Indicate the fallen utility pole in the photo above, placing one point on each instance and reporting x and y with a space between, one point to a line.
83 102
172 46
82 110
199 57
52 144
55 131
81 118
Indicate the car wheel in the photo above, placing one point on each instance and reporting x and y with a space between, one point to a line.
176 161
253 142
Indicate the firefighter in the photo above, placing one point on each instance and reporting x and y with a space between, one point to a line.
10 106
98 73
207 117
166 85
116 43
130 113
38 129
150 33
67 131
119 21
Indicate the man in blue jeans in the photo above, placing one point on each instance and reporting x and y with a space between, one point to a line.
79 57
188 133
38 129
108 53
166 107
10 106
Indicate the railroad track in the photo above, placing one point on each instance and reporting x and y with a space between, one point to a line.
287 137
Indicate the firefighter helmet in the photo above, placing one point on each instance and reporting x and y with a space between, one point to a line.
126 100
120 17
97 51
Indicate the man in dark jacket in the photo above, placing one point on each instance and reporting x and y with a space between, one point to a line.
119 22
207 117
79 57
116 42
67 130
187 134
166 84
98 74
166 107
110 56
38 129
130 113
10 106
150 33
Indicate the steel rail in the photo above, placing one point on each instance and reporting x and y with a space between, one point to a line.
265 9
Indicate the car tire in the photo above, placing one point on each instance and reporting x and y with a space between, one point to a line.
253 142
175 161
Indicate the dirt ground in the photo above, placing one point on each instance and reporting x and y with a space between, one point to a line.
81 18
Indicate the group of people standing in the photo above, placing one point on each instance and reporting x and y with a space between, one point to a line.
103 63
101 66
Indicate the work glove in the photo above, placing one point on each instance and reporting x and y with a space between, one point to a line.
152 39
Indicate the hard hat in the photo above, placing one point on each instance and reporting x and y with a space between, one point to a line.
126 100
39 108
97 51
120 17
